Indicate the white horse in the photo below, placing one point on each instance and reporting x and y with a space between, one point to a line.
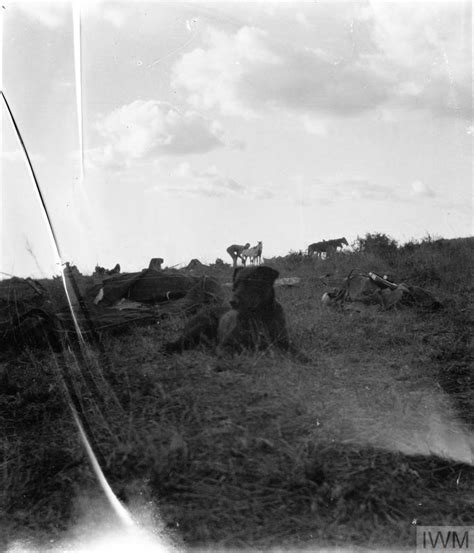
253 254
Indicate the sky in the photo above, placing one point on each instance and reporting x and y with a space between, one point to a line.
176 129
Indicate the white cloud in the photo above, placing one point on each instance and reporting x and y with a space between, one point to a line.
18 156
314 125
262 193
115 14
49 14
65 83
411 55
184 180
13 156
338 189
302 19
245 72
427 46
356 189
359 189
147 130
421 190
211 77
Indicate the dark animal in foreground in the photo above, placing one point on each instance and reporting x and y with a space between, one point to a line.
235 251
255 319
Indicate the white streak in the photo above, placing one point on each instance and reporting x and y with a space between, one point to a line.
1 123
118 508
76 20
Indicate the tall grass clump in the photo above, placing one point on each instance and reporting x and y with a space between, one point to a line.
444 264
379 245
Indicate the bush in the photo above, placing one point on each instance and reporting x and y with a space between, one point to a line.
445 264
378 244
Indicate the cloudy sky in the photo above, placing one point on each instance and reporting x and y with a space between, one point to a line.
175 129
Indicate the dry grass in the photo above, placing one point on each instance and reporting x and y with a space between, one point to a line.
260 450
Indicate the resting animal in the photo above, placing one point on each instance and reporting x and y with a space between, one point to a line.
156 263
255 319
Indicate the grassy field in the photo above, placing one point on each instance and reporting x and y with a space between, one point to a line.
370 437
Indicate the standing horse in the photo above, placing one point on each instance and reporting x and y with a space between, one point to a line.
326 246
253 254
